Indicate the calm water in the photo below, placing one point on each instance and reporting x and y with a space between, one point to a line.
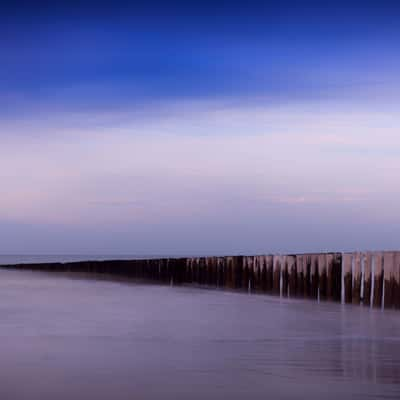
82 338
48 258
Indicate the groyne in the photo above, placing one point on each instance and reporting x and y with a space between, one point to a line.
367 278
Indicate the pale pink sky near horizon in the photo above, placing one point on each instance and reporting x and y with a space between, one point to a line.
202 177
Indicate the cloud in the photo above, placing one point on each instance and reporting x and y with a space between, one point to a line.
200 167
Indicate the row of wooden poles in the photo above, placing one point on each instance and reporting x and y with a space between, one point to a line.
368 278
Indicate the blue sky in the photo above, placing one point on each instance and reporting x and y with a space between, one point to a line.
209 127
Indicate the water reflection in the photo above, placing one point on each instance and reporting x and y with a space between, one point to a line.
85 338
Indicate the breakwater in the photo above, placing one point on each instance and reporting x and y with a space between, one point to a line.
368 278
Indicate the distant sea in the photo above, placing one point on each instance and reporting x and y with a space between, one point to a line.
51 258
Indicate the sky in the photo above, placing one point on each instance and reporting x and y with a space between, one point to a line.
213 127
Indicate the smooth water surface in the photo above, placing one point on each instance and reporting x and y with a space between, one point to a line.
65 337
54 258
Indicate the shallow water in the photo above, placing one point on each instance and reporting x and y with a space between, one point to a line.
64 337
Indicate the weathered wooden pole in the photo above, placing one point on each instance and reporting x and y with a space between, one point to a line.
347 278
323 277
337 274
396 286
284 276
300 275
356 281
307 264
377 279
263 273
314 276
291 262
220 271
270 272
238 271
247 266
277 274
329 277
388 273
257 263
207 271
215 271
229 282
191 270
367 279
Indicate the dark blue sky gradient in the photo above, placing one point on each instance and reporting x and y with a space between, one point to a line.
108 54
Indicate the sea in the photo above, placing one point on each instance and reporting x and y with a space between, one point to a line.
72 336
